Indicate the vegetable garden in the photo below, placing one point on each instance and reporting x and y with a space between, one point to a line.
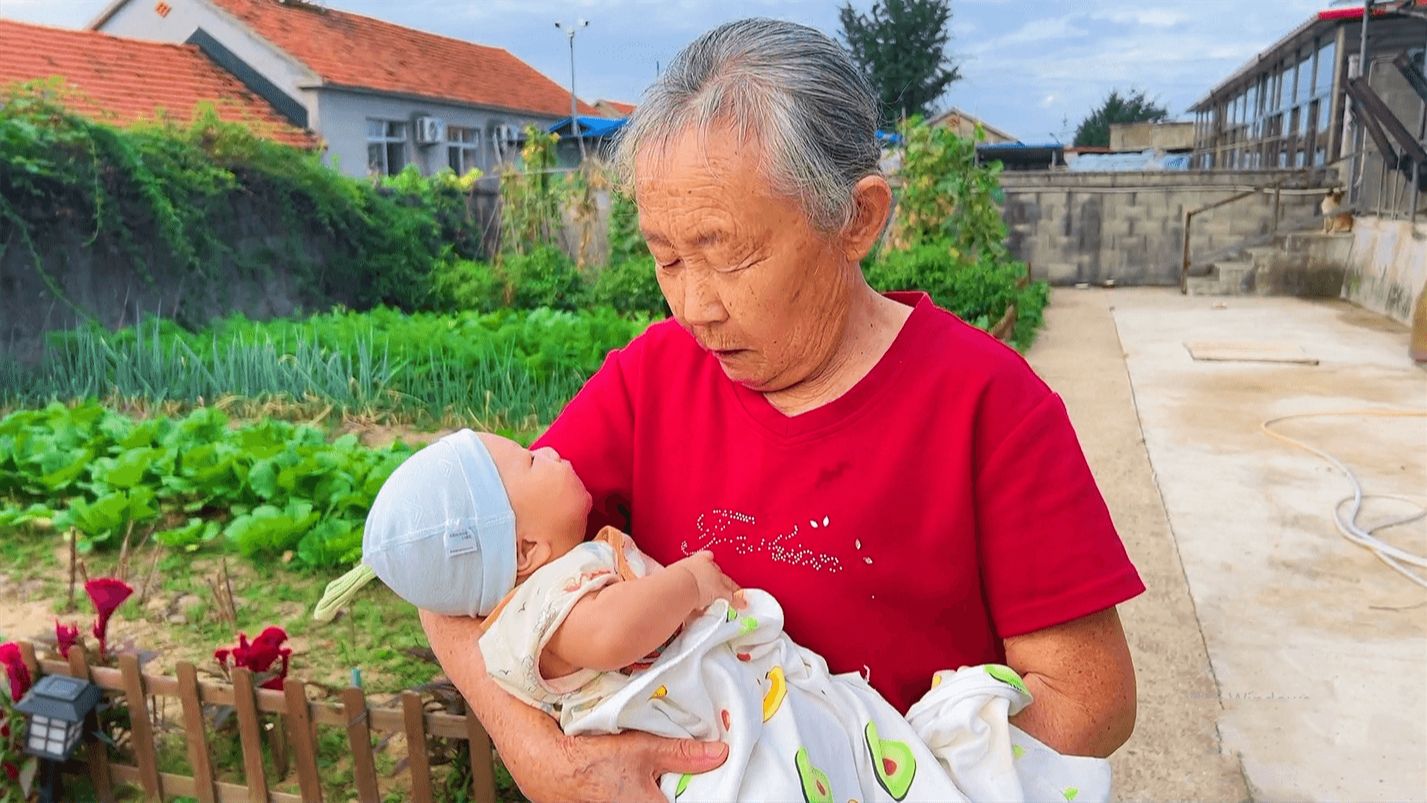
221 469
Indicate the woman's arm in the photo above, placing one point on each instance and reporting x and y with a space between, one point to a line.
546 764
1083 681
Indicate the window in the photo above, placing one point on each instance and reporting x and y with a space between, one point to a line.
1323 78
463 149
1285 80
386 147
1305 78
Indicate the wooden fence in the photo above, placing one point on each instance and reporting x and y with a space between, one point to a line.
292 737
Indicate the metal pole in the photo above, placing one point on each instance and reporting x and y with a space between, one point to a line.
574 105
1421 133
1359 166
569 30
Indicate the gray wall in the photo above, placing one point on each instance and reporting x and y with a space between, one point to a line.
341 118
1093 227
266 279
1387 266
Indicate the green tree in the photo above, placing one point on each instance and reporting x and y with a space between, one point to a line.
1132 107
900 45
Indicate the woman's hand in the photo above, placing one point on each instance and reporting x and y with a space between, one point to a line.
710 580
545 763
623 767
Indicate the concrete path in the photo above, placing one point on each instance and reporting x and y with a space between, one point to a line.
1175 753
1276 660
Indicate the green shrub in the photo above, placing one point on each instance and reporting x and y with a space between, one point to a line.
977 292
544 277
630 286
625 241
467 285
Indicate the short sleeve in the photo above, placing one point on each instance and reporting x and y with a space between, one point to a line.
513 644
1049 551
595 432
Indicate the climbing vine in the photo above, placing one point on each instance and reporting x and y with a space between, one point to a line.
531 195
166 193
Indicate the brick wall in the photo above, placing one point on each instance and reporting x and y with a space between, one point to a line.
1129 227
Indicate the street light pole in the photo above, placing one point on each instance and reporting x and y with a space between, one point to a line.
574 106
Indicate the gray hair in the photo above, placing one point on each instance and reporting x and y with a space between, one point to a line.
793 87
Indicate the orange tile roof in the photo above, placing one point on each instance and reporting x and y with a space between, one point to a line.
347 49
124 81
619 106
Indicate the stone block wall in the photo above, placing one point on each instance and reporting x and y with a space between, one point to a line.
1129 227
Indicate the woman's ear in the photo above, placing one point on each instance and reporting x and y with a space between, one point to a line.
871 204
530 554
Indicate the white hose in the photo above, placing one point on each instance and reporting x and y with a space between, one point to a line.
1397 558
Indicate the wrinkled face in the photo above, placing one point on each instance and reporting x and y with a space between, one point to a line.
743 269
549 500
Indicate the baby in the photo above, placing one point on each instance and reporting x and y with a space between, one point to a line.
602 638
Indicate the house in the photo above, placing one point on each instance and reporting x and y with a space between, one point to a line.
381 96
124 81
613 109
964 125
1286 107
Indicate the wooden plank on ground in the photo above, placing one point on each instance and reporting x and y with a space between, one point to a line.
303 739
141 728
359 737
98 759
418 761
195 733
1247 351
482 768
250 736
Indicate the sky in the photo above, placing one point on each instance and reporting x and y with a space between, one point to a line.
1033 69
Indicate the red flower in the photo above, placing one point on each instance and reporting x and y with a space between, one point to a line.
66 636
107 594
15 670
12 772
259 655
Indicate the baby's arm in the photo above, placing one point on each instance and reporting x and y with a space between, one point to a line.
624 622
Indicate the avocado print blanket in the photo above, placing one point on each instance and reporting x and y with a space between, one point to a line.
796 732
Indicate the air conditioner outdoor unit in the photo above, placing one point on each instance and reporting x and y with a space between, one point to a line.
430 130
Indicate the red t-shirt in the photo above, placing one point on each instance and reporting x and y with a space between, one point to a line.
940 506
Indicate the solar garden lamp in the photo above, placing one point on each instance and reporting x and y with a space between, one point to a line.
56 706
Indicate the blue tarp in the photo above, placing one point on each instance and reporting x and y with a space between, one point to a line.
594 127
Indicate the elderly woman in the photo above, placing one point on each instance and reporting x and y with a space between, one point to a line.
902 483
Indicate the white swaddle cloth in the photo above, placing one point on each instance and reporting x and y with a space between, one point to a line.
795 731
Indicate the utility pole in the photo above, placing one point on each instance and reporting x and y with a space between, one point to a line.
574 105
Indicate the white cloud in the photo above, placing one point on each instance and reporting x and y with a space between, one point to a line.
1149 17
1045 29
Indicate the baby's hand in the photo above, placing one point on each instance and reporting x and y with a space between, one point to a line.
712 583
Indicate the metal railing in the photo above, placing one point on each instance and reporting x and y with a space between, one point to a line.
1275 187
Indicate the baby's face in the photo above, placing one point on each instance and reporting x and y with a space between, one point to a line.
546 494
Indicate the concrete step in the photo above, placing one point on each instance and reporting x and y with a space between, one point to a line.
1207 286
1236 274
